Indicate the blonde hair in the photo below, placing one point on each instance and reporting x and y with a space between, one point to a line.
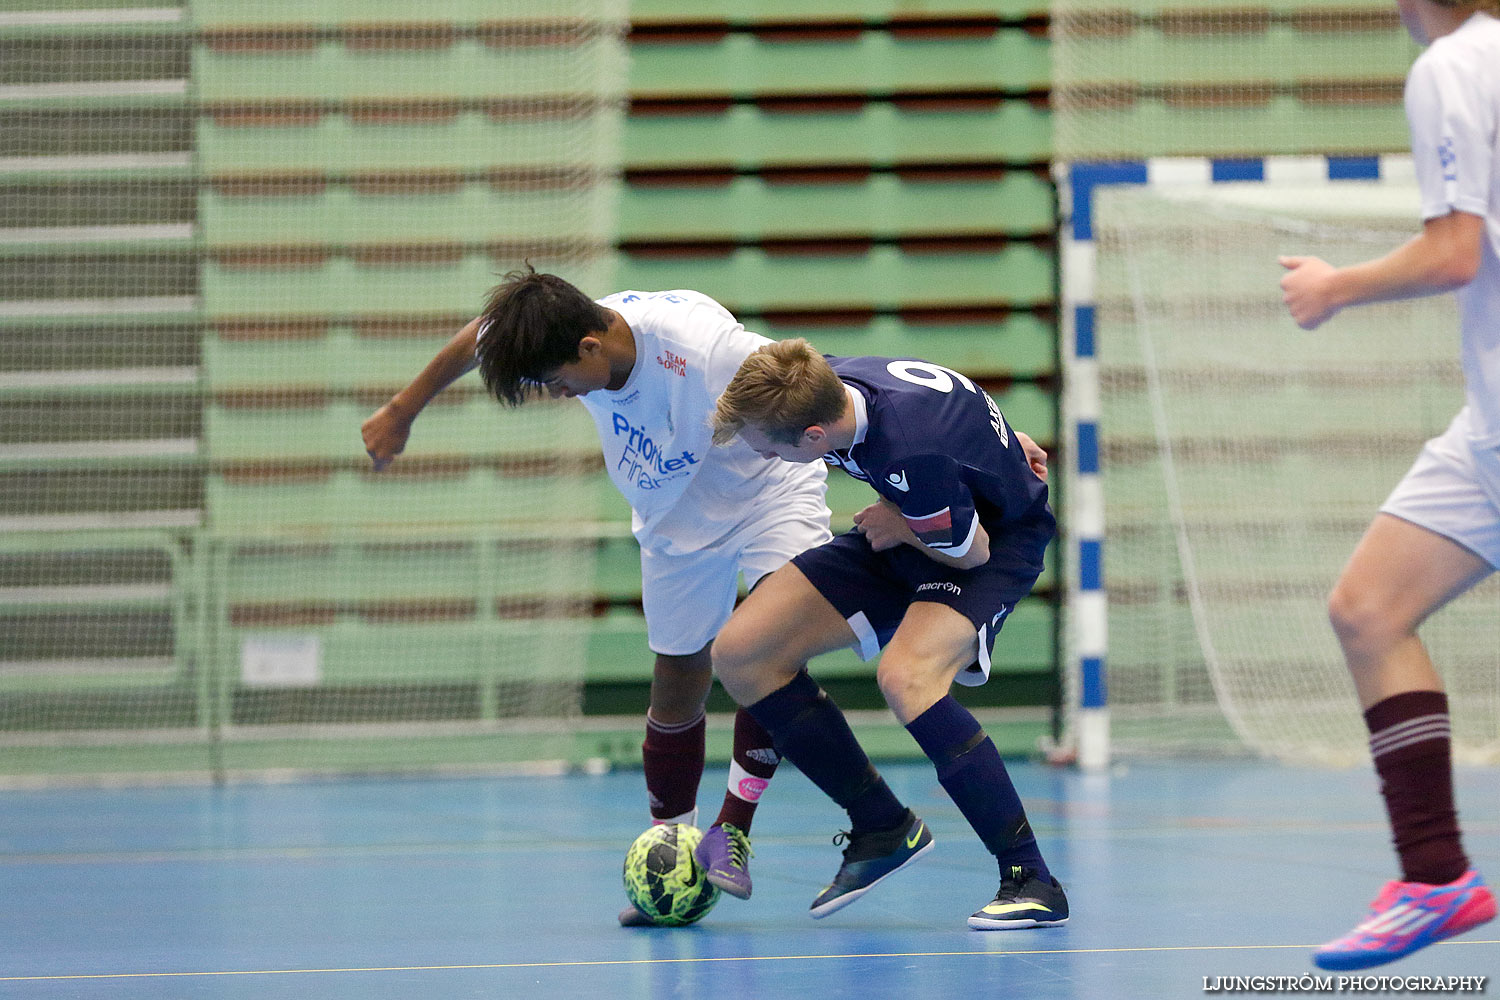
782 389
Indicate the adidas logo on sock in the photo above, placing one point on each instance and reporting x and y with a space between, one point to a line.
765 755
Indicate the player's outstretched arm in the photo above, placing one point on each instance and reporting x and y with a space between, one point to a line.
1444 256
385 431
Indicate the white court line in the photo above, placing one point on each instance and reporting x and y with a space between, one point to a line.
704 961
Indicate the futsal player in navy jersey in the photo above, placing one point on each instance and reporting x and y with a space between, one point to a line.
929 573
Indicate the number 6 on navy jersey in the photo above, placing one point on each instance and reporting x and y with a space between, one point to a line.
932 376
940 378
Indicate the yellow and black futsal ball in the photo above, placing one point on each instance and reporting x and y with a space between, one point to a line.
663 880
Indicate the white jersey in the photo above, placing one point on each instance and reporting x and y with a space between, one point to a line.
655 431
1453 109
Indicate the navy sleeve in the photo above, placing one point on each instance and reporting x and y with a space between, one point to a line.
934 499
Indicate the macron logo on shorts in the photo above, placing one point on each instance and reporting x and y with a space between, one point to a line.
898 480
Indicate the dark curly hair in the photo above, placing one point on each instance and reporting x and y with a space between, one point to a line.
530 327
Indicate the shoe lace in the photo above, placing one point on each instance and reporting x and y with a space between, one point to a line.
846 838
855 844
739 846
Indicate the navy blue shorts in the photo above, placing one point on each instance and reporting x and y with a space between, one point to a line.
873 590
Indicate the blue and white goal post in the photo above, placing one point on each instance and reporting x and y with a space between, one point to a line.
1086 736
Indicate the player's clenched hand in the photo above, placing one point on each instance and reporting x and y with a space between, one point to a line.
883 526
385 433
1307 290
1035 456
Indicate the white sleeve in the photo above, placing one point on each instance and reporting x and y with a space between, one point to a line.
723 342
1450 145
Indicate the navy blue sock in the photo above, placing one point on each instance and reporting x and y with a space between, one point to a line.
809 730
970 770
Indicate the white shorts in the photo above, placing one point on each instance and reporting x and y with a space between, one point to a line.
1453 488
689 597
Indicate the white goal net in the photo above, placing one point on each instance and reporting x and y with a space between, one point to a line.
229 232
1243 457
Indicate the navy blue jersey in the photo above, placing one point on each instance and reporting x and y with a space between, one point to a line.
934 444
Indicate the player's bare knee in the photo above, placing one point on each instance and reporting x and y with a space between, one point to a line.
679 687
908 689
1362 621
751 662
1344 615
735 653
678 671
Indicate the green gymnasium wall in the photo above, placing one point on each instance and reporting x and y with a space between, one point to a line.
1227 79
874 175
308 209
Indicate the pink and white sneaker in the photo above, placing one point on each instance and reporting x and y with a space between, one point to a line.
1407 916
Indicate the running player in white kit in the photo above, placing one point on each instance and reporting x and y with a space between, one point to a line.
1438 533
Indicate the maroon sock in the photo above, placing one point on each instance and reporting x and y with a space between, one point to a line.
754 762
1411 743
673 759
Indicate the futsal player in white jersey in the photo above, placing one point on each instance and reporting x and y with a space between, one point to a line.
648 367
1438 533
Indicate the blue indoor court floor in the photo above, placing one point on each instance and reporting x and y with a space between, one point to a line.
509 887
